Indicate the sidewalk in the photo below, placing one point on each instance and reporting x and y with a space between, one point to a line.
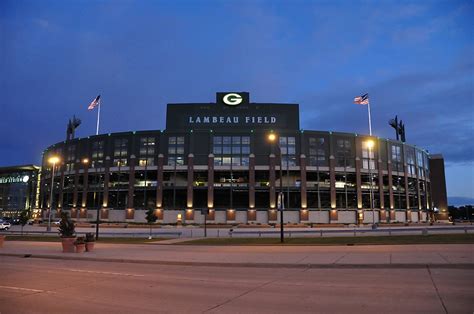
383 256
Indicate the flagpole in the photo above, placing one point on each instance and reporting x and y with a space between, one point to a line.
370 119
98 119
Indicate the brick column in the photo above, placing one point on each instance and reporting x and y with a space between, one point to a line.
272 181
210 183
189 199
332 180
304 203
358 164
159 183
381 192
104 213
390 190
83 211
76 183
251 182
408 211
418 193
61 186
130 212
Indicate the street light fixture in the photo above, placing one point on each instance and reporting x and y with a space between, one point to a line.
370 144
53 160
272 137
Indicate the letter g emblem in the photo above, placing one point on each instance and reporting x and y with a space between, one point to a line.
232 99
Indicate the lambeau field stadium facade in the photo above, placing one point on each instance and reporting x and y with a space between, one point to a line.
216 160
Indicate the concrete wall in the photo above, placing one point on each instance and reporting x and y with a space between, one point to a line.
117 215
319 216
400 216
424 216
414 216
220 217
170 216
140 216
346 217
290 216
198 217
262 217
368 216
241 217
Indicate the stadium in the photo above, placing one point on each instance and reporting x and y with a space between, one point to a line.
234 161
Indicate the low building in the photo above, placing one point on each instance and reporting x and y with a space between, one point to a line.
18 189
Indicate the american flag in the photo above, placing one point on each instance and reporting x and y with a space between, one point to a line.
362 100
94 103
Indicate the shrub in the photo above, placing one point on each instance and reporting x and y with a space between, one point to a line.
79 240
90 237
66 226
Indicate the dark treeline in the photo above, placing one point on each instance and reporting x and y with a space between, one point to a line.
461 213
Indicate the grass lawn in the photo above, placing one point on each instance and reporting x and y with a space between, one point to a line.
405 239
101 240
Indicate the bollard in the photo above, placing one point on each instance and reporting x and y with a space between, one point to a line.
465 230
424 232
321 232
218 233
191 233
354 232
259 234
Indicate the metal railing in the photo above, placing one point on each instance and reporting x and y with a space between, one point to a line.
352 231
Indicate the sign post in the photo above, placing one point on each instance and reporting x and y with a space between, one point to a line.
205 212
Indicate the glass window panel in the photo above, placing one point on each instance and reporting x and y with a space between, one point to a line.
236 140
180 150
226 149
172 140
180 140
245 140
217 150
226 140
235 149
217 139
245 150
218 161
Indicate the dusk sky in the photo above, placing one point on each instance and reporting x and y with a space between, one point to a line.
415 59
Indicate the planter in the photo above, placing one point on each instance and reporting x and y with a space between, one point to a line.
68 244
2 239
80 248
89 246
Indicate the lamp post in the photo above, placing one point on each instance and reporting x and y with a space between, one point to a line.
273 139
53 161
370 144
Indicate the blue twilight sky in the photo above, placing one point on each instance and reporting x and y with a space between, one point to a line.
414 58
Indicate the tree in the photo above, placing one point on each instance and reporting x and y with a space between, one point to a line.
151 219
23 219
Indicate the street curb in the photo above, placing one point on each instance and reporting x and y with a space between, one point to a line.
248 265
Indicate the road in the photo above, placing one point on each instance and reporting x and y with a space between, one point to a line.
59 286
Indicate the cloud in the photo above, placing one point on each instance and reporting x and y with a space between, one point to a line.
436 106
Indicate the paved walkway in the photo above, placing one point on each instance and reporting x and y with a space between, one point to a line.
383 256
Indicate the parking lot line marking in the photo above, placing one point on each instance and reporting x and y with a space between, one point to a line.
105 273
22 289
